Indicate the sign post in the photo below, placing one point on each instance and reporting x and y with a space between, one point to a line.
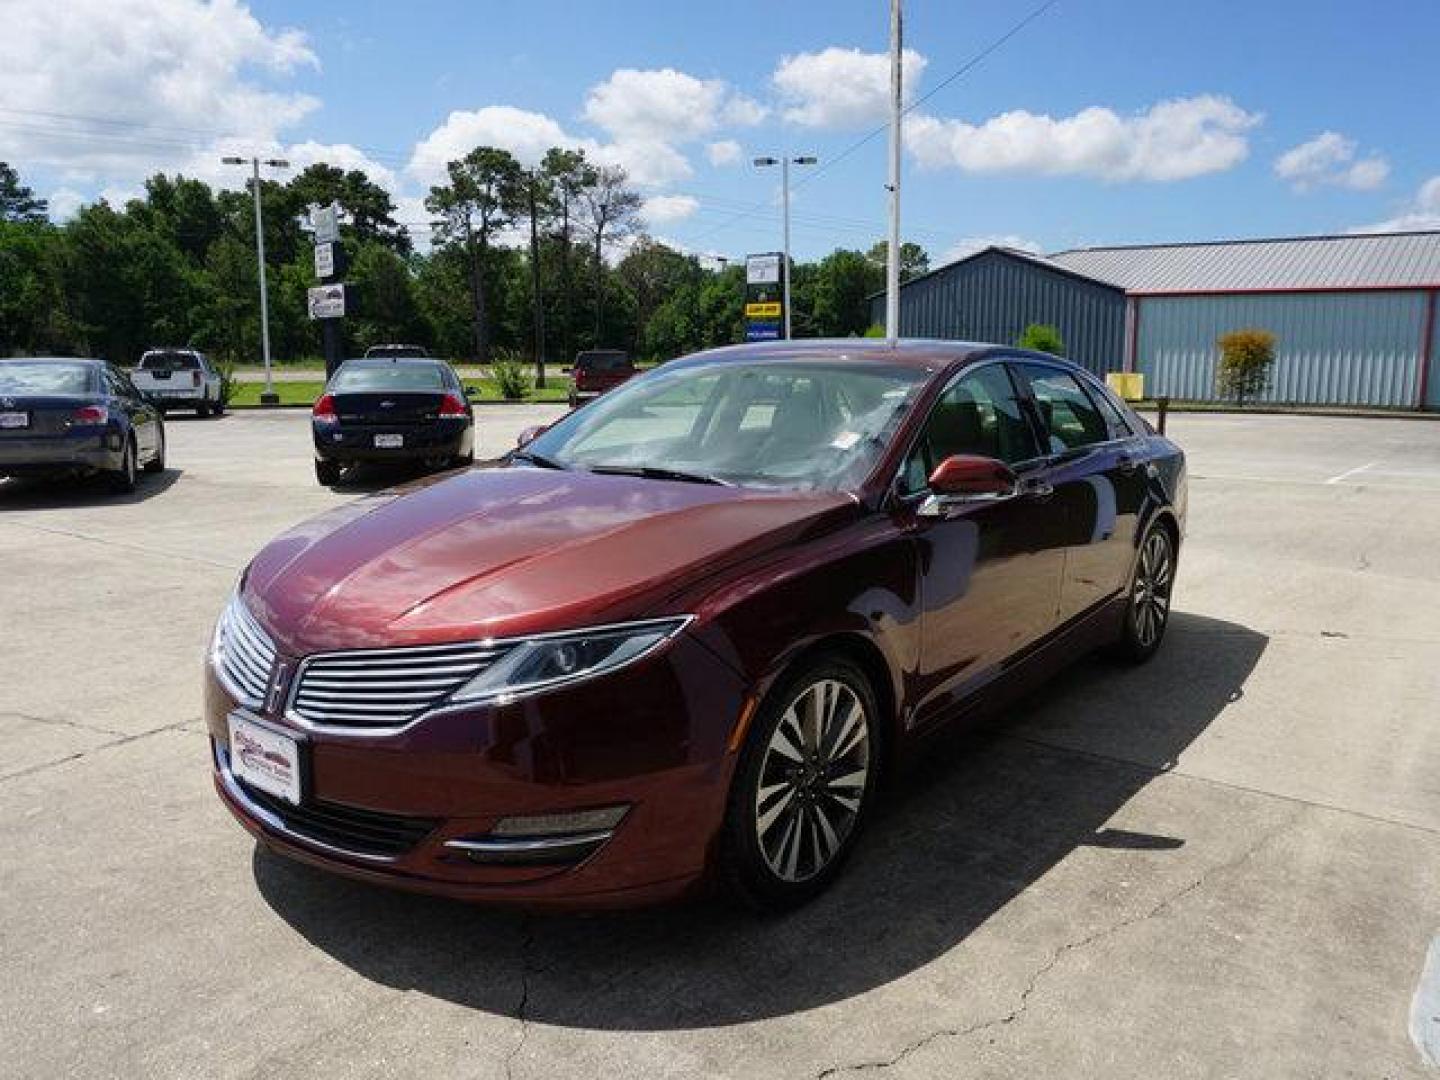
327 302
765 315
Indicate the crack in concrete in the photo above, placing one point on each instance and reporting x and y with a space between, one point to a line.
527 944
60 721
122 741
1053 960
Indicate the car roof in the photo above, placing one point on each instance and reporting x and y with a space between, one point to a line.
382 360
922 353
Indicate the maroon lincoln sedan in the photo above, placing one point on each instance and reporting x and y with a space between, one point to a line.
680 635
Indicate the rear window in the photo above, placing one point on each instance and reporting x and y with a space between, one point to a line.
47 379
169 361
384 377
396 350
602 361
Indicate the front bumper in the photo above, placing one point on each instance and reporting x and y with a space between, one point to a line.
58 453
444 439
423 802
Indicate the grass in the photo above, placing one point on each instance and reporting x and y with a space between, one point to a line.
247 395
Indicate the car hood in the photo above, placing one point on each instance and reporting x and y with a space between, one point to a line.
501 552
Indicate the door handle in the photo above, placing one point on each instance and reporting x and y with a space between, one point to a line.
1036 487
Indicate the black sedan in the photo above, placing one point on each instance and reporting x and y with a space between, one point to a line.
408 409
64 415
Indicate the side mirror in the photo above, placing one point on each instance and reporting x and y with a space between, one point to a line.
966 479
529 435
471 394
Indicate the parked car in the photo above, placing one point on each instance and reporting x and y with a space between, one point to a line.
395 351
181 379
71 415
392 410
684 632
596 371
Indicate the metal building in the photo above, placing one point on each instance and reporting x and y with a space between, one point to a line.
997 292
1353 316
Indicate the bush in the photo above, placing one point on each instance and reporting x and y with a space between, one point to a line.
226 370
512 376
1246 357
875 330
1042 337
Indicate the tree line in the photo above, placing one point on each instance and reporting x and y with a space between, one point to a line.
540 262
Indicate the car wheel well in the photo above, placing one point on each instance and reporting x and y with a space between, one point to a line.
866 655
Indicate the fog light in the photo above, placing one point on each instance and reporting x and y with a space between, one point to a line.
580 821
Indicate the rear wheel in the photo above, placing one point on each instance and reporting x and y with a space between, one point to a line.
1148 612
327 472
203 409
803 787
125 478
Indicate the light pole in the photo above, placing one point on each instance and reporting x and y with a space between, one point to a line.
269 397
897 114
785 163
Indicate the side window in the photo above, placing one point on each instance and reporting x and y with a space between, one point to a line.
1119 426
1070 418
979 414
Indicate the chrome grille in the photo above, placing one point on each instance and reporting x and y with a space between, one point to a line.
385 687
245 652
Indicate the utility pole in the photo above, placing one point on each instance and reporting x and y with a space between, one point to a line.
892 261
269 397
785 163
537 302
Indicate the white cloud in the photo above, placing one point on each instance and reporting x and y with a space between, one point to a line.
1172 140
1421 212
1329 158
724 152
64 203
167 76
525 134
664 209
665 105
841 88
969 245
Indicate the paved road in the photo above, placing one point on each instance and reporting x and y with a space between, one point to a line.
1226 863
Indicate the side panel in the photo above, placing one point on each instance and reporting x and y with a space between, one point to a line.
1359 348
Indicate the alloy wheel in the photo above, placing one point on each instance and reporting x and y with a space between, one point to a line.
813 780
1150 599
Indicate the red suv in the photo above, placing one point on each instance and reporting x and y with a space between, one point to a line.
598 370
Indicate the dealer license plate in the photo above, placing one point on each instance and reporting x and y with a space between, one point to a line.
389 442
14 419
265 759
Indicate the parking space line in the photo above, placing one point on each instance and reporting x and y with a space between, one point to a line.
1350 472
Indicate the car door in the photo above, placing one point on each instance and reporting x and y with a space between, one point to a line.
1098 475
990 572
144 417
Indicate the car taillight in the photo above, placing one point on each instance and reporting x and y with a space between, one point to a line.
89 416
324 410
453 406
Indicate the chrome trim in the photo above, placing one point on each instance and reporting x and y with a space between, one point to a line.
274 823
580 843
243 655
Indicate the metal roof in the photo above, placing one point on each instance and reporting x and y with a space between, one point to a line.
1355 261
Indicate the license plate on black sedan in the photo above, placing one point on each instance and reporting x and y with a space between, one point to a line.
389 442
13 420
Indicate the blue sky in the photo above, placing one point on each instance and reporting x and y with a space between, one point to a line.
1103 121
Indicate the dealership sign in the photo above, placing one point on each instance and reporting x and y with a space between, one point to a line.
762 269
325 260
325 220
327 302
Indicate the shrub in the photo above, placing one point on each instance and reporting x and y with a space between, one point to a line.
1042 337
875 330
226 370
512 376
1246 357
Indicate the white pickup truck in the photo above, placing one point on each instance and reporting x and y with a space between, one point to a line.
180 379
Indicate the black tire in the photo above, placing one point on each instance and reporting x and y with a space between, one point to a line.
781 849
218 409
203 410
574 401
1147 612
124 480
464 461
157 463
327 472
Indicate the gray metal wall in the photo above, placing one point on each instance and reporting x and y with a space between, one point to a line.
993 297
1359 348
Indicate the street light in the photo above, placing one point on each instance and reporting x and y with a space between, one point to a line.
269 397
785 163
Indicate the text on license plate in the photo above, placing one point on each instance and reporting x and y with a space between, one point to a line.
264 758
14 419
389 442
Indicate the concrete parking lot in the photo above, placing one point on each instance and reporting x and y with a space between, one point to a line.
1226 863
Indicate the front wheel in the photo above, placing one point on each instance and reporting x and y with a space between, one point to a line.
1148 612
803 787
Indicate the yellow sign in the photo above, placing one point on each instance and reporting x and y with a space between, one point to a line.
1129 385
762 311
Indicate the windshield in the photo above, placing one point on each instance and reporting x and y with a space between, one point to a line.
169 361
796 425
386 377
602 361
43 378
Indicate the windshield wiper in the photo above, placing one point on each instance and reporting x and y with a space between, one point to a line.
653 472
536 459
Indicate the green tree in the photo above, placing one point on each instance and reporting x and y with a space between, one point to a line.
569 175
1246 357
33 300
481 198
1042 337
914 260
368 208
843 283
612 212
18 202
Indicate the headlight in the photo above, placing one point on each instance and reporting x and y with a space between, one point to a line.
540 663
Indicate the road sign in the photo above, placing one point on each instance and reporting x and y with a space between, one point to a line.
325 220
762 269
327 302
763 310
768 330
325 260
